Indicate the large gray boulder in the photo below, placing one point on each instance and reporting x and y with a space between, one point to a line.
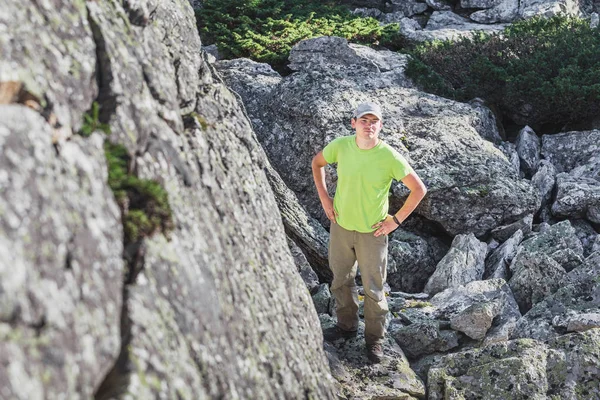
570 309
483 310
566 368
578 192
529 147
192 322
472 186
568 150
306 231
502 233
545 180
310 278
550 8
48 56
541 263
444 25
412 259
61 267
463 263
422 338
496 264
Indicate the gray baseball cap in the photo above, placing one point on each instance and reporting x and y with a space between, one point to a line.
368 108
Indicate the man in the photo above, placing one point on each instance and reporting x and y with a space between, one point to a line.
360 222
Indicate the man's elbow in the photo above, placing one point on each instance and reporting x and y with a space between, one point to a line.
420 191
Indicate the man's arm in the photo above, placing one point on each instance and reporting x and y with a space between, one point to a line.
417 192
318 170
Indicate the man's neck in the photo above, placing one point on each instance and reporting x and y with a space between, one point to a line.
366 144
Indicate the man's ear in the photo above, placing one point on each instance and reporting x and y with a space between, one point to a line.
353 123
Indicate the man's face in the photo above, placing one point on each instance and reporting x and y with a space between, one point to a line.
367 126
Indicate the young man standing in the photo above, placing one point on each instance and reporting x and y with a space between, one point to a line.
360 222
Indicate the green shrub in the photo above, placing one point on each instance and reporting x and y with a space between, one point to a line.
551 65
266 30
144 203
91 122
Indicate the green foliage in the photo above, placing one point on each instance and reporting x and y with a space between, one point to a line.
552 65
144 203
266 30
91 122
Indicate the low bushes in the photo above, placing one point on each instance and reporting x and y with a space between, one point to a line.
541 72
266 30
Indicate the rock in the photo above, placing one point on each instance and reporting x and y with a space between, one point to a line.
578 192
488 117
327 52
571 304
594 20
322 300
415 296
510 151
478 3
548 8
439 5
457 28
310 278
479 309
499 11
583 322
475 320
422 338
520 369
573 365
596 245
61 266
502 233
407 8
529 146
249 79
500 371
559 241
392 378
588 270
496 265
570 149
544 180
213 51
463 263
193 324
534 276
43 56
412 260
586 234
445 19
301 227
368 12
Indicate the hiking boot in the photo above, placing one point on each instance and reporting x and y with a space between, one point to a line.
375 352
334 333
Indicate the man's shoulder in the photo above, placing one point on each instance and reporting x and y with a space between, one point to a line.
391 153
342 139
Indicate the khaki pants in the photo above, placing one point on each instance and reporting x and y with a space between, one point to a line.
346 250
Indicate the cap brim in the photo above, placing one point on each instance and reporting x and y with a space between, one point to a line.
369 112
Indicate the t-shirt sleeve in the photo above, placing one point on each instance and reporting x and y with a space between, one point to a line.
330 152
400 167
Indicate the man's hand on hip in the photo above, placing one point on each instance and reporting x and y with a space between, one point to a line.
385 227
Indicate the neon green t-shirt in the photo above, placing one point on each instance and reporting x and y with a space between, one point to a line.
364 180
